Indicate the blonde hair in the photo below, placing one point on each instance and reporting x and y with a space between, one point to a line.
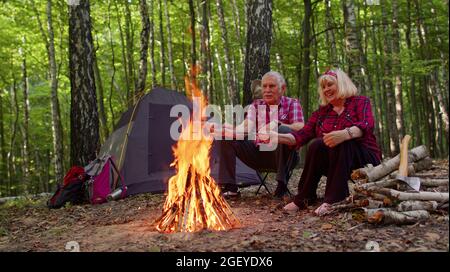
345 86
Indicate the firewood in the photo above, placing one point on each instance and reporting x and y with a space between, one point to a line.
432 196
434 182
381 184
370 173
384 216
443 206
414 205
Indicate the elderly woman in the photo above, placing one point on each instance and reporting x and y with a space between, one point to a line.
342 137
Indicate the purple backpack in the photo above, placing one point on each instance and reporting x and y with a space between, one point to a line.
102 184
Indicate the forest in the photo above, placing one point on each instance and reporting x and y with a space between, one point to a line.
54 115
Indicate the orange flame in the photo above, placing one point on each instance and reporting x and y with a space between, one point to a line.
194 201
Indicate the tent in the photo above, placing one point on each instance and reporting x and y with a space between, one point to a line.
141 145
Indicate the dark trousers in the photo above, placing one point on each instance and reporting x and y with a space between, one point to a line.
250 154
336 164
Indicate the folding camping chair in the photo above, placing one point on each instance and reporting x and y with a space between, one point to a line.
290 165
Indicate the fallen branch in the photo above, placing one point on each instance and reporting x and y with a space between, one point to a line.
370 173
3 200
432 196
414 205
383 216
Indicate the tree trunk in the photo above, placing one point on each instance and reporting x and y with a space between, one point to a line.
237 24
238 65
426 82
57 129
11 157
415 118
101 105
387 82
152 44
84 121
353 45
443 53
113 63
330 34
315 48
162 54
259 36
379 128
4 154
279 55
396 63
143 51
306 60
205 51
192 29
129 38
26 121
222 80
231 87
173 79
124 57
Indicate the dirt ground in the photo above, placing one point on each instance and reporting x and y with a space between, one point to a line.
126 225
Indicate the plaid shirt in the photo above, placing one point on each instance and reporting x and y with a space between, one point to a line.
289 111
357 112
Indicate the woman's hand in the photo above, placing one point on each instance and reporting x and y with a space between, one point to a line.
334 138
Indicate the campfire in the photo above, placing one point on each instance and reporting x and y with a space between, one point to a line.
194 201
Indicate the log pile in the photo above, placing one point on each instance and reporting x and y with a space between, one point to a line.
382 198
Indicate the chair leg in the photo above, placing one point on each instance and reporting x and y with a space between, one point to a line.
263 182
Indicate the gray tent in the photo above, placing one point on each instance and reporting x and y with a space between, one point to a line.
143 158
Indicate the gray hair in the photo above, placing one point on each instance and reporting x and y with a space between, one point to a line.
279 78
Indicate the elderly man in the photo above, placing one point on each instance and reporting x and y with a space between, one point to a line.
288 118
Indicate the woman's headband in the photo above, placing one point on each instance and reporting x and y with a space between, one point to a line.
331 73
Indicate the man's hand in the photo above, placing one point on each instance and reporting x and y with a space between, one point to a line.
268 127
267 136
334 138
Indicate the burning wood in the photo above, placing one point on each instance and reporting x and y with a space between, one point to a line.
194 201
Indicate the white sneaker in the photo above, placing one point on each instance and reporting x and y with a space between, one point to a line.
291 207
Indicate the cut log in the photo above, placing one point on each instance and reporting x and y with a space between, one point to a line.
370 173
434 182
384 216
381 184
366 203
414 205
415 167
430 196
